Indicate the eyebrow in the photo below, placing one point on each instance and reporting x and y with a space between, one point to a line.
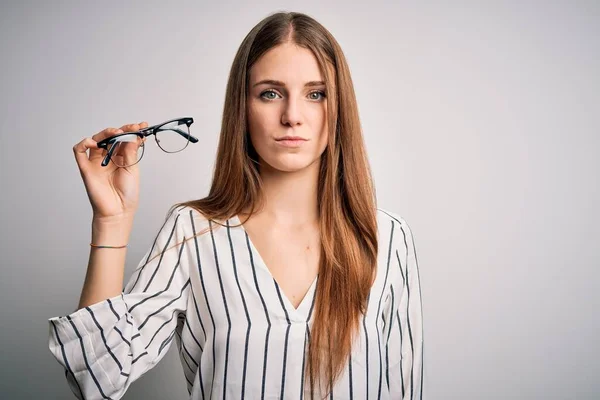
279 83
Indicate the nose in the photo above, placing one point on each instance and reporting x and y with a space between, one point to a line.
292 114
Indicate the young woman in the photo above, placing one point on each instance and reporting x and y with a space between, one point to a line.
286 281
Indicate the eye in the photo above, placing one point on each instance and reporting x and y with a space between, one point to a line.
320 92
262 95
270 91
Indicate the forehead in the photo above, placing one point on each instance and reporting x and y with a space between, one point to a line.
287 62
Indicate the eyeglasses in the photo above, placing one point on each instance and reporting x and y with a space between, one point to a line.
126 149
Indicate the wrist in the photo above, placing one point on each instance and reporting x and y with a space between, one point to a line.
111 232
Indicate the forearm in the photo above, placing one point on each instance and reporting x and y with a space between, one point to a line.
104 276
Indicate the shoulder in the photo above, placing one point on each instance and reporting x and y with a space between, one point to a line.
392 223
386 218
189 219
402 248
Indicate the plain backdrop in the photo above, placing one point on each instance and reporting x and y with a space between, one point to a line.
481 121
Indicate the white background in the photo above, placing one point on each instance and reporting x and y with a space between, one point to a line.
481 122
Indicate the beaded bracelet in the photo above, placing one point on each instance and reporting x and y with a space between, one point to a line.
107 247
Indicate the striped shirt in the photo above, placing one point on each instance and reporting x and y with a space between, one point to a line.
237 334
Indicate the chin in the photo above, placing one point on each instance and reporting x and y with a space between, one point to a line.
290 165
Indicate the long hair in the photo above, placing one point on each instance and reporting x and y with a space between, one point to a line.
347 202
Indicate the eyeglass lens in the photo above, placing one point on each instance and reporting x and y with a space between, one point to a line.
129 149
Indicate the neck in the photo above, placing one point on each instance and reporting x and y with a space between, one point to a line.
290 197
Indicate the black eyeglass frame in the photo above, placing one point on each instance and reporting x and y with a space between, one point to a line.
142 133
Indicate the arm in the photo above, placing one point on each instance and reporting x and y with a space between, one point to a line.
104 347
405 335
104 276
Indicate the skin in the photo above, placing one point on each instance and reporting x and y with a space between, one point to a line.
290 217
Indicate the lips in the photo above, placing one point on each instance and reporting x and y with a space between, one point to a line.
291 141
290 138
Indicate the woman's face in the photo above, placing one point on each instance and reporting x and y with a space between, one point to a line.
293 103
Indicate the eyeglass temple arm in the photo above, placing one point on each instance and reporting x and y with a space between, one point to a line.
108 156
182 133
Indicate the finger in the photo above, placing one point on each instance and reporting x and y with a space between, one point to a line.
143 124
80 152
108 132
95 152
127 151
130 128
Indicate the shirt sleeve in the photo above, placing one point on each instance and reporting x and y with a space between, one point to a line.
404 346
108 345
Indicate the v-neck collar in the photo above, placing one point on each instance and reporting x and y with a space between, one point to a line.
302 313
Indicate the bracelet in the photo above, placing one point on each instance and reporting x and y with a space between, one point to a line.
107 247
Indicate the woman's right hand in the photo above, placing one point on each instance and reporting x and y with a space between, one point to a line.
113 191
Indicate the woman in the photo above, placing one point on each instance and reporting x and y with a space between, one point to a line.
286 281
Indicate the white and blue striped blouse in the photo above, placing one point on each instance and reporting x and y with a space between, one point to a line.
238 336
